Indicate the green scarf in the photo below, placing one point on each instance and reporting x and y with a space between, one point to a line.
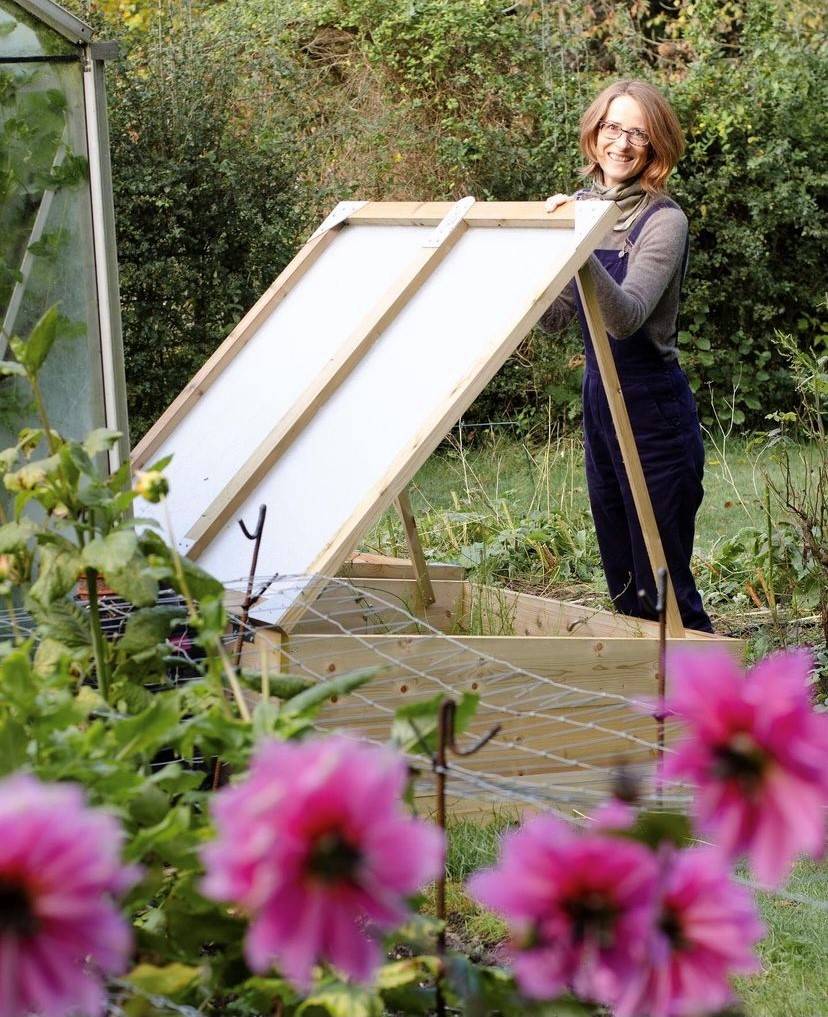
630 197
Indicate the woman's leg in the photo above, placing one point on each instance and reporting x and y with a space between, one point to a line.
665 424
607 502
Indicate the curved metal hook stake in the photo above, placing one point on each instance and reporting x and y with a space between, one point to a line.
448 712
446 742
220 771
257 533
660 605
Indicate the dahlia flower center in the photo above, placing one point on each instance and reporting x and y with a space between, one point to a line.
742 760
593 917
333 858
17 915
671 925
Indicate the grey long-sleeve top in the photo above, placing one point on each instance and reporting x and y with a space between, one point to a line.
648 298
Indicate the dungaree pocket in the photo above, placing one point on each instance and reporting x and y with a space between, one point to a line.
665 400
654 405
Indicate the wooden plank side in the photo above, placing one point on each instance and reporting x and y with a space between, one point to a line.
562 741
286 430
381 605
545 727
147 447
365 565
402 470
497 611
626 441
622 665
528 214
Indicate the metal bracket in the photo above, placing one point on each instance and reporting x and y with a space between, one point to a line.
104 50
458 212
343 211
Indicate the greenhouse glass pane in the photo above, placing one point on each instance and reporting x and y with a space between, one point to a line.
46 252
23 35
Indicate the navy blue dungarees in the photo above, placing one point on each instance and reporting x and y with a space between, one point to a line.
665 423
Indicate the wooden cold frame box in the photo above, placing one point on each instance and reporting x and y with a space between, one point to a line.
324 402
520 639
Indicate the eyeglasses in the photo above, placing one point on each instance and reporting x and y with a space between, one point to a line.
639 139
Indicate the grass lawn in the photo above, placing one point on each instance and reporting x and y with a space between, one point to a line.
518 515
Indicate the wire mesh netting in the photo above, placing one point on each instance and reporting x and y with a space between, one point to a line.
566 724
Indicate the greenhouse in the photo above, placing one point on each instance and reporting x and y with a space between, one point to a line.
57 225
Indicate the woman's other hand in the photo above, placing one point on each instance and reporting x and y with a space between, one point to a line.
557 199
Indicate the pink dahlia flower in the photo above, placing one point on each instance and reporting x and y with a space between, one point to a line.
705 929
756 751
580 908
314 844
60 932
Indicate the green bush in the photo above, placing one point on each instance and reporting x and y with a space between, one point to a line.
206 217
237 130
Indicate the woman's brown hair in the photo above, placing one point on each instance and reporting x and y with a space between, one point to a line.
661 123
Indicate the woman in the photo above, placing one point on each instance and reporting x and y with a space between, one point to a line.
632 140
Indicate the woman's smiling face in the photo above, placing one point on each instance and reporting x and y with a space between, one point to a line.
619 160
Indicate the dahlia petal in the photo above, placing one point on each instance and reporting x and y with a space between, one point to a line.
613 815
10 1003
342 796
781 679
300 951
66 858
771 813
539 974
718 926
348 947
546 871
405 854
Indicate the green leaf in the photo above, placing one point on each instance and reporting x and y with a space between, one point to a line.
147 627
15 676
200 584
656 828
262 994
415 724
112 553
9 367
135 584
150 730
118 558
100 440
13 742
40 341
265 716
404 972
14 536
282 686
59 569
170 839
340 1000
315 696
161 465
171 980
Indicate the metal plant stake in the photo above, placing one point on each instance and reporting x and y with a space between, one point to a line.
660 609
446 743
